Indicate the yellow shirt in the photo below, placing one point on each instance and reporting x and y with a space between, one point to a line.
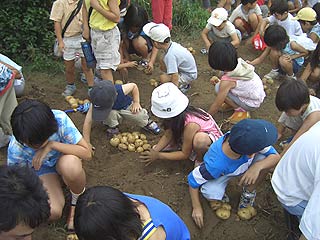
97 20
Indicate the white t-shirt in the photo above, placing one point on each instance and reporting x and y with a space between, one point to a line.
179 60
290 25
226 32
296 178
239 12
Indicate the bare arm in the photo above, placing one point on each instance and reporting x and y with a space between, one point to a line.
134 90
197 212
164 141
235 41
262 26
86 131
204 36
302 52
306 73
260 59
85 22
113 14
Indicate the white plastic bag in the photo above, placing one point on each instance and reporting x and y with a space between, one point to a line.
56 50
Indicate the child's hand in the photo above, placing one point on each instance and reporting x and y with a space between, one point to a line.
251 175
149 68
135 107
61 46
40 155
287 57
214 80
197 216
312 92
149 156
131 64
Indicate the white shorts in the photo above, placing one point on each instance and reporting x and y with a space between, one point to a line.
72 47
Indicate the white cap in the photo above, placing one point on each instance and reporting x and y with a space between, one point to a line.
218 16
168 101
157 32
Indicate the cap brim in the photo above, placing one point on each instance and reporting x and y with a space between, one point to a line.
177 109
146 28
215 22
100 114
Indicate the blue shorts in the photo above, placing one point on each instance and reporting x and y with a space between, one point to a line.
46 170
296 68
296 210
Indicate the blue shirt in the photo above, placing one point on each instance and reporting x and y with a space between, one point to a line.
216 164
67 133
5 76
163 215
288 50
122 101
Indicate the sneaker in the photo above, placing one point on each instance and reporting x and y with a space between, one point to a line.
152 127
247 198
238 116
204 51
112 131
286 142
184 88
142 64
69 90
272 74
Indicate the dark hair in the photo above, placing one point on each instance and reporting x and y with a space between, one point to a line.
314 60
292 94
105 213
311 22
33 122
136 16
276 36
279 6
245 2
223 56
22 197
316 8
176 124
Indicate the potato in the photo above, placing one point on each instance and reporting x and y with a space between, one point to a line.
223 213
122 146
80 102
246 213
215 204
268 91
67 98
86 101
118 136
136 134
72 101
138 143
143 137
226 206
131 147
124 133
139 149
114 141
124 140
264 80
74 105
270 81
131 138
265 87
193 52
146 146
145 141
119 82
252 210
190 49
152 81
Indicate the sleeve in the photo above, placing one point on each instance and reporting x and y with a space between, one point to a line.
234 14
271 19
56 13
257 10
231 29
15 154
171 64
199 176
209 26
309 224
298 31
67 130
268 151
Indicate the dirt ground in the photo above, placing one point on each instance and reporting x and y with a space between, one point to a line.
165 180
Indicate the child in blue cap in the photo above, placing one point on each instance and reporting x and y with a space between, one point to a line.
245 150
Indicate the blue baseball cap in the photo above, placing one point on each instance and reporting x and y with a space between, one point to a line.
252 135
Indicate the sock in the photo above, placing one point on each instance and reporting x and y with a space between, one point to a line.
74 197
71 84
275 70
239 109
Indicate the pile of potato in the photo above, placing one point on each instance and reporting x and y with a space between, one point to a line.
247 213
153 82
266 83
132 142
75 102
223 210
191 50
119 82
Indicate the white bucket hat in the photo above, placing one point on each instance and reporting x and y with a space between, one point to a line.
157 32
168 101
218 16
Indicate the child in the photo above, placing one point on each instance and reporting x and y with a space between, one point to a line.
227 4
70 42
178 62
135 40
240 87
246 17
105 35
219 28
112 103
300 110
106 213
315 31
8 100
162 12
295 180
307 18
24 202
280 16
246 149
48 141
286 56
184 125
312 72
294 6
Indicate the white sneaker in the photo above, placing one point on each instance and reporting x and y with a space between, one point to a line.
272 74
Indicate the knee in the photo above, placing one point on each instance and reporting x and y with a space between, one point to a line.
70 167
201 142
238 23
56 211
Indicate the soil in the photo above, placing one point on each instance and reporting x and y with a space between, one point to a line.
166 180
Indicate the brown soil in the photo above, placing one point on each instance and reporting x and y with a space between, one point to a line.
165 180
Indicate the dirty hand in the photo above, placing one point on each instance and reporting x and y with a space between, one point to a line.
287 57
149 156
214 80
61 46
40 155
197 216
250 176
131 64
149 68
136 107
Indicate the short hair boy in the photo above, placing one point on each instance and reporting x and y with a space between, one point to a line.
280 15
300 111
178 62
287 56
24 202
48 141
218 28
307 18
246 149
246 17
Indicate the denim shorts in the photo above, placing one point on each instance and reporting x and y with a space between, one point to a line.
46 170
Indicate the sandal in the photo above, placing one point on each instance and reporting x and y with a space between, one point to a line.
71 234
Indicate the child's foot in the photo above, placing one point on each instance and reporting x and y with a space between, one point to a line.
247 198
225 108
204 51
112 131
272 74
237 116
71 235
286 142
152 127
184 88
69 90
